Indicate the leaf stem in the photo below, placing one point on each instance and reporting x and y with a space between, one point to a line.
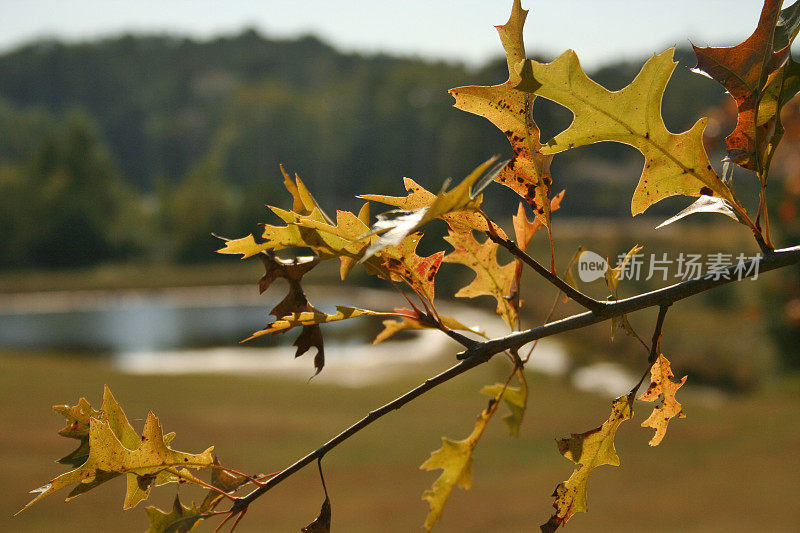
586 301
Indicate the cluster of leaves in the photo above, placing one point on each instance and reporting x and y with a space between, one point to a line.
109 447
759 74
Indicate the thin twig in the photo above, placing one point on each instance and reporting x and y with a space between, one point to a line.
655 346
196 480
587 302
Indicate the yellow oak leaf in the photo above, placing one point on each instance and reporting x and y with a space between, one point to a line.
528 172
674 163
587 450
77 426
454 458
411 320
395 226
112 451
662 389
491 278
313 317
180 519
420 198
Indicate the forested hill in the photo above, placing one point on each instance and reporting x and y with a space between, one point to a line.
166 130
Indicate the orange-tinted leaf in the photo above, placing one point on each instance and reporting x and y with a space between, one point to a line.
528 173
524 229
744 70
403 263
662 389
491 278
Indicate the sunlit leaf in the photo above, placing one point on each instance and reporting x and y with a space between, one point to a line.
454 458
704 204
674 163
395 226
613 275
528 172
314 317
491 278
662 389
404 264
744 71
113 451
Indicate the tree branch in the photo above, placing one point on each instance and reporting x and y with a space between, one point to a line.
586 301
481 352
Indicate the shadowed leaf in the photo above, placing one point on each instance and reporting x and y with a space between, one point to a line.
515 398
588 451
411 320
321 524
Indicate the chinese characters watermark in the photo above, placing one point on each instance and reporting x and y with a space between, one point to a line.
661 267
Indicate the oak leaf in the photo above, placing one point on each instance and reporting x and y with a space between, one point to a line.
410 319
528 172
588 451
77 426
404 264
322 523
112 451
613 275
395 226
180 519
515 398
524 229
419 197
454 458
744 70
491 278
674 163
313 317
662 389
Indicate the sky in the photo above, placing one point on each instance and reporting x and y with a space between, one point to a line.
459 30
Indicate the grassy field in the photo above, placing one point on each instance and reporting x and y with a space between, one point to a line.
730 466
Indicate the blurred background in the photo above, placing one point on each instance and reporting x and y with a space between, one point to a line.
128 134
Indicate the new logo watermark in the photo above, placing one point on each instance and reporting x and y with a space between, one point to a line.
592 266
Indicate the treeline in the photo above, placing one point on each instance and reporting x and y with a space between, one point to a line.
141 146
